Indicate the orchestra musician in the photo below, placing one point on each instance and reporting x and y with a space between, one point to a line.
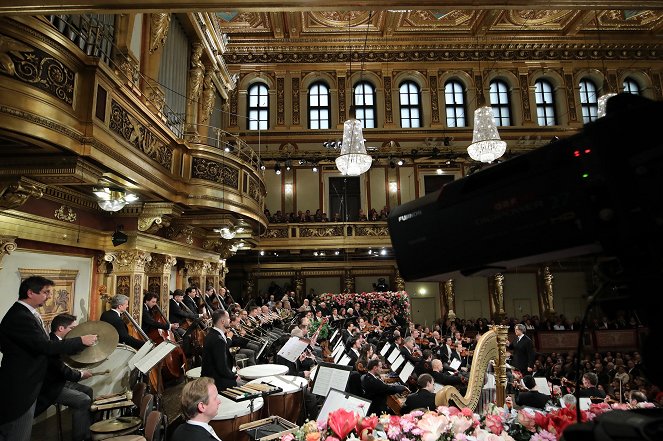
408 351
190 298
353 350
61 384
149 323
442 377
527 395
424 398
237 337
200 403
377 390
119 303
589 387
217 359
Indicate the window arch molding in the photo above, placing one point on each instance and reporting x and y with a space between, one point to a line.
643 80
243 90
515 99
559 94
424 94
378 86
305 84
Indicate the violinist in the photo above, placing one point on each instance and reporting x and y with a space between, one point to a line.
149 323
589 387
353 351
448 354
376 390
527 395
442 377
408 351
434 342
334 315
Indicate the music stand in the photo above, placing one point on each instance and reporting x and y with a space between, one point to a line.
329 376
337 399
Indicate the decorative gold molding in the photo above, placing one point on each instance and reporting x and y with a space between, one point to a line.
130 260
7 245
160 264
208 96
15 192
155 216
65 214
160 25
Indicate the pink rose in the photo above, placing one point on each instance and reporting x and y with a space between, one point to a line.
313 436
526 419
287 437
494 424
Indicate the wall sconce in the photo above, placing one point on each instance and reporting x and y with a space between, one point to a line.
113 198
393 187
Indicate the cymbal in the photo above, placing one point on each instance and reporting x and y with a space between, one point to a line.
107 340
115 424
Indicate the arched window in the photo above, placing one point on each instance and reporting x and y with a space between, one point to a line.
454 98
631 86
258 107
410 105
318 106
545 103
499 101
365 104
588 100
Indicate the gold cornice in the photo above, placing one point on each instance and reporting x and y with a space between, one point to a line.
15 191
160 245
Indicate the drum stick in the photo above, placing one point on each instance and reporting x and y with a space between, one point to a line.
107 371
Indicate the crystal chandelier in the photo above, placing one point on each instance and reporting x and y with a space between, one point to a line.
113 198
603 104
353 159
486 143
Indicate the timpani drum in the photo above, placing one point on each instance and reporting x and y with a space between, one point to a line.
118 378
262 370
232 414
286 404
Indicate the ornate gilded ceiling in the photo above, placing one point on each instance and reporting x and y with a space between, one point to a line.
329 27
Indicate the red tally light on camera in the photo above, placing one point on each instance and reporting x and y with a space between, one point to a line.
587 151
576 153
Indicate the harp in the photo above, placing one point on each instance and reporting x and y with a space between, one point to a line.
491 346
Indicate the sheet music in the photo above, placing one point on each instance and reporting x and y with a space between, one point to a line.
394 354
542 385
585 403
142 352
313 371
455 364
339 348
406 372
338 343
385 349
345 360
328 377
293 348
337 399
438 387
338 355
397 363
155 356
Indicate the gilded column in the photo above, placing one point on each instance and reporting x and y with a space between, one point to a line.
150 63
195 89
129 275
299 286
157 272
498 295
546 292
7 245
348 281
213 275
196 271
206 105
450 298
500 368
399 282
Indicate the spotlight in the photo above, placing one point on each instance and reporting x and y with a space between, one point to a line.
229 147
383 252
325 144
277 168
262 166
399 162
288 165
315 168
439 171
262 252
332 144
302 161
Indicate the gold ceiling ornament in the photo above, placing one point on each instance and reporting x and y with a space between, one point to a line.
65 213
538 16
157 215
7 245
160 25
429 19
341 19
14 193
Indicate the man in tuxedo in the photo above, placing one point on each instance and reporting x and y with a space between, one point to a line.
217 359
446 379
589 387
522 351
178 311
190 298
26 347
407 351
377 390
528 395
119 304
424 398
200 403
353 350
61 384
149 323
448 354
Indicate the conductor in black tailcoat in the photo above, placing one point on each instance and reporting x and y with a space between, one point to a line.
200 403
217 359
522 351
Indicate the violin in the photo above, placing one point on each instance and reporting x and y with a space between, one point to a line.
421 341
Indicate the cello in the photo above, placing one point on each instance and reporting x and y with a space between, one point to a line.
174 364
154 377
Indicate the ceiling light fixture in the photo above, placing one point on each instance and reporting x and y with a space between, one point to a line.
113 198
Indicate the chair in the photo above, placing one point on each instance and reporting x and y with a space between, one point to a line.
155 427
58 419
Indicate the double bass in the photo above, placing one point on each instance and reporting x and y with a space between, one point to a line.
174 364
154 377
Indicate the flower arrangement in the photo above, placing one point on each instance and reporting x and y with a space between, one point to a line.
446 424
396 302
